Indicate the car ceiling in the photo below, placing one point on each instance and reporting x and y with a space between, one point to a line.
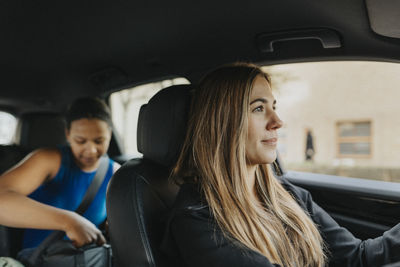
54 51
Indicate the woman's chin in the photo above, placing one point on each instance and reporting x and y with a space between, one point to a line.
270 157
264 160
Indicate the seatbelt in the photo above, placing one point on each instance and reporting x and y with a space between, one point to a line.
87 199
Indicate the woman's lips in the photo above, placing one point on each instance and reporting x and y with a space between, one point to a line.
89 160
270 141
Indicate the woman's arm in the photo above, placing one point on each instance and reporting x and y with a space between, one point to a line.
344 248
17 210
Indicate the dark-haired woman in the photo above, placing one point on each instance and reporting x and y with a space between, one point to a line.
43 190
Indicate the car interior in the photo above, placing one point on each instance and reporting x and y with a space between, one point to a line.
56 51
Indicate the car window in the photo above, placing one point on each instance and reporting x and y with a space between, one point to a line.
8 124
125 106
340 118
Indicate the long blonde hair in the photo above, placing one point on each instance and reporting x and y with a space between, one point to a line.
213 156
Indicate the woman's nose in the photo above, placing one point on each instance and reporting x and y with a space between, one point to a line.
275 122
91 148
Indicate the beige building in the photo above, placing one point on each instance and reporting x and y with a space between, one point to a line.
352 109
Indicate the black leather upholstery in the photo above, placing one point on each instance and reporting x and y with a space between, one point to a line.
10 155
139 195
37 130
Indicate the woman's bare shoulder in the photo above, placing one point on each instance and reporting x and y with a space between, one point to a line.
48 159
37 167
45 154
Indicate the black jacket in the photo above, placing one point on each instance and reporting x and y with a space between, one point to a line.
193 239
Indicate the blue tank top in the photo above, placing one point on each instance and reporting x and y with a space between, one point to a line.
66 191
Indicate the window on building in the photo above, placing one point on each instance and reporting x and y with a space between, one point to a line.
8 124
354 139
125 106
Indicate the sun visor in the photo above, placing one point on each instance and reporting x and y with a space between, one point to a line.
384 17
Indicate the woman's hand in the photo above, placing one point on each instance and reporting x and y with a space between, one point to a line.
81 231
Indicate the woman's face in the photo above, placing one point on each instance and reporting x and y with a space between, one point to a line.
263 123
89 140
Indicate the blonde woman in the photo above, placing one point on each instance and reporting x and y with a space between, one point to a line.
231 210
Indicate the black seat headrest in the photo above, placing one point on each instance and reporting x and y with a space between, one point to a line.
40 129
162 124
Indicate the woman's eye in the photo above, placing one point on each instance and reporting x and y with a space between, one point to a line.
258 109
80 142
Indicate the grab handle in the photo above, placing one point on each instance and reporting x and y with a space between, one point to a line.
328 38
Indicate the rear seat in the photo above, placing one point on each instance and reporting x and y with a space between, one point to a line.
10 155
34 130
37 130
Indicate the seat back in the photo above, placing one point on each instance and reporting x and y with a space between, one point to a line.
10 155
34 130
40 129
140 195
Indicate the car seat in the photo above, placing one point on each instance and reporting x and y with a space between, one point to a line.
34 130
140 195
40 129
